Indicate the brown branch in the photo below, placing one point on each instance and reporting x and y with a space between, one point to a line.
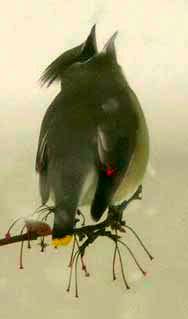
37 229
87 234
81 232
17 238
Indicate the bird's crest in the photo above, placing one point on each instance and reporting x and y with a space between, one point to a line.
109 48
80 53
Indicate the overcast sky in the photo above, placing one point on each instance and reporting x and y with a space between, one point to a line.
152 47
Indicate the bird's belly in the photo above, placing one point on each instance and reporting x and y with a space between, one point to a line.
137 167
89 187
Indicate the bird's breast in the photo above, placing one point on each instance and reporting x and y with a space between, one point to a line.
89 187
138 162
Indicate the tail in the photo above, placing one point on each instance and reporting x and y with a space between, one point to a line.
64 222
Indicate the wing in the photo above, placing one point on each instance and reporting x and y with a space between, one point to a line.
116 144
41 164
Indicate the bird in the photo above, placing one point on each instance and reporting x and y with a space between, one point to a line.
93 146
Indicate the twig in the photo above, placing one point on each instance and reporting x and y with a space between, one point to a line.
18 238
85 234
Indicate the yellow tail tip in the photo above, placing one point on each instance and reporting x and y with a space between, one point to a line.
64 241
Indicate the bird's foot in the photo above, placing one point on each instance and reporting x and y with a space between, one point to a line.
79 213
116 212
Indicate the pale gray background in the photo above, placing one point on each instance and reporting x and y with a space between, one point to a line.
152 47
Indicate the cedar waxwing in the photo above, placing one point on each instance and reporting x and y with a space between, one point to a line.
93 145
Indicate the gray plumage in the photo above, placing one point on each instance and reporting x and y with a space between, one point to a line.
93 145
